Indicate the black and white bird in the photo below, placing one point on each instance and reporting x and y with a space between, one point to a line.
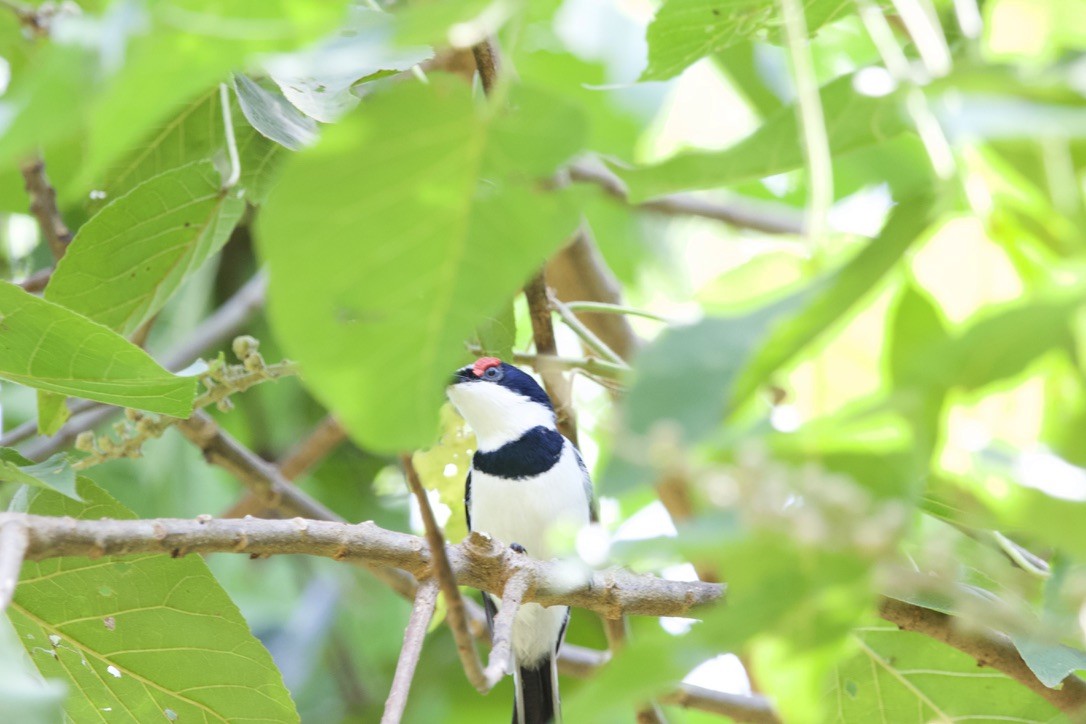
526 480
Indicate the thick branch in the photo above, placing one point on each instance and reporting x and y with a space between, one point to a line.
988 647
43 207
485 564
764 217
414 635
478 562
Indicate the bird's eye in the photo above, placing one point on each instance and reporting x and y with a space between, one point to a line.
493 373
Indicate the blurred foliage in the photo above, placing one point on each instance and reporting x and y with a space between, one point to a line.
893 407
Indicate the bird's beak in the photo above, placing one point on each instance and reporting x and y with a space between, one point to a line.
464 374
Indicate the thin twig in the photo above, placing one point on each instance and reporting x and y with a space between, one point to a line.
593 366
557 386
755 709
596 344
14 540
498 665
442 570
604 308
43 207
414 635
764 217
325 438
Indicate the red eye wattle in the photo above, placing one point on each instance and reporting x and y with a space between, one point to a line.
483 364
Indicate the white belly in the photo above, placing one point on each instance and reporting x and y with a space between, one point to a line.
533 512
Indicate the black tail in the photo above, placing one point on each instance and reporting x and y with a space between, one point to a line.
536 688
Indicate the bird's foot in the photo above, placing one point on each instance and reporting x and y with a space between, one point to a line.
517 547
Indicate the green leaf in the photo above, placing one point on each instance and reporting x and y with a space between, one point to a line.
898 671
126 262
917 325
148 638
409 245
273 116
50 347
685 31
52 474
853 121
52 412
24 697
195 133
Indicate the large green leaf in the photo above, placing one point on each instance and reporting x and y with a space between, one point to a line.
142 638
685 31
896 672
406 226
272 114
50 347
125 263
853 121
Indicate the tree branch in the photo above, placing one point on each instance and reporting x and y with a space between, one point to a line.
413 637
43 207
765 217
587 336
579 273
755 709
482 563
478 562
442 570
557 386
988 647
487 63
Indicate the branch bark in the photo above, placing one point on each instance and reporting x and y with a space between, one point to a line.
414 635
443 572
988 647
482 563
764 217
43 207
557 386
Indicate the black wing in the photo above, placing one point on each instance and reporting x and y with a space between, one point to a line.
593 509
467 499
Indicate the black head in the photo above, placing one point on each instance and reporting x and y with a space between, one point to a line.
491 370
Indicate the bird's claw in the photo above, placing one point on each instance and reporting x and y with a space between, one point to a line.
517 547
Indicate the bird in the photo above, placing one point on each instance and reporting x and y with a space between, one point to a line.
525 480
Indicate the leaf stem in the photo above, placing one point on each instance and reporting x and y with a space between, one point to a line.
231 142
605 308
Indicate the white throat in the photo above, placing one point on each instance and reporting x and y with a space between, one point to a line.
497 415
